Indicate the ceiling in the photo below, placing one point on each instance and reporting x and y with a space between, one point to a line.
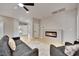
40 10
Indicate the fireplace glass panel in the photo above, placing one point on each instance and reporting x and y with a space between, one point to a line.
51 33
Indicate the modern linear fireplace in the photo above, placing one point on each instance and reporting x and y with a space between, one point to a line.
51 33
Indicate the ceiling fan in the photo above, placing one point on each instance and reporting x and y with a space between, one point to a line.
24 5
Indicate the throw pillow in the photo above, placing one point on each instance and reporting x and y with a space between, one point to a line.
71 49
12 44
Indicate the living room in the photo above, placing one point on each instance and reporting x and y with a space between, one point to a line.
40 25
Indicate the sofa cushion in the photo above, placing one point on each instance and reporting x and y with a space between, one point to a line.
21 49
61 48
57 51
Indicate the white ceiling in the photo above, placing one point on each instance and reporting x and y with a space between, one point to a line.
40 10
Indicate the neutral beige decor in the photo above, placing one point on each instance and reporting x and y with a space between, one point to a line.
12 44
71 49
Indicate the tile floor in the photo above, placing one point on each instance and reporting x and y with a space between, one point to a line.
42 44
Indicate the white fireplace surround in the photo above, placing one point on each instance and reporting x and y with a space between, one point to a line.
59 34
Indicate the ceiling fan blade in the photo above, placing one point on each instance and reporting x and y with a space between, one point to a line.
25 8
29 4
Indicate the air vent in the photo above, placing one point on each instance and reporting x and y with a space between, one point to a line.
58 11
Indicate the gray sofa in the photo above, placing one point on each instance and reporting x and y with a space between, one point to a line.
24 50
4 48
21 48
59 51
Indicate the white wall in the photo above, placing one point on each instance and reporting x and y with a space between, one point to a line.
36 28
15 27
1 29
78 22
9 26
30 26
23 30
65 21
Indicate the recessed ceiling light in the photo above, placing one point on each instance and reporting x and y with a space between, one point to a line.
20 4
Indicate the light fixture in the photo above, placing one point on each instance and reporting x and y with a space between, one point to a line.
27 12
20 4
